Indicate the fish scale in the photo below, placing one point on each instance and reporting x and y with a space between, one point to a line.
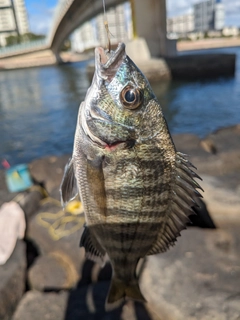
137 190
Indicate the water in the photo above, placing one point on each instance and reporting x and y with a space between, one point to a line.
39 106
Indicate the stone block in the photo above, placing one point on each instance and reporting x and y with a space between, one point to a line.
52 272
223 203
67 247
12 281
198 279
5 195
82 303
49 172
42 306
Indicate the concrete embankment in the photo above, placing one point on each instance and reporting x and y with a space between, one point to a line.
200 276
208 44
39 59
190 67
186 67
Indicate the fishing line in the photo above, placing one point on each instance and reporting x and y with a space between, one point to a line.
106 26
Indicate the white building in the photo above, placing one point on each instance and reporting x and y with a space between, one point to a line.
9 24
180 25
209 15
230 32
93 33
219 17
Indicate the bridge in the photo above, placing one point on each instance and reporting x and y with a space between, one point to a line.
149 22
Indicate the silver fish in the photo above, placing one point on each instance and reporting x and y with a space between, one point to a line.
137 191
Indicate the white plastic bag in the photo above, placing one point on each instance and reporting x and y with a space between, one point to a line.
12 227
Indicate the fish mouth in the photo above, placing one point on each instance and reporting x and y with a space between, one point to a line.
128 144
107 63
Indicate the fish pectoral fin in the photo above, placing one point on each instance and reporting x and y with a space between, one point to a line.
119 291
185 198
93 249
68 188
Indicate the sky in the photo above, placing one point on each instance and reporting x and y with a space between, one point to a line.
40 12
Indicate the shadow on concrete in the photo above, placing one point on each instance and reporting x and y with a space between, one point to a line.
87 300
202 219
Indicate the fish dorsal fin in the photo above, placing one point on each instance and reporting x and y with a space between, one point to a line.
68 188
93 249
184 198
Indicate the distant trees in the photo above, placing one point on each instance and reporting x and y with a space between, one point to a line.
27 37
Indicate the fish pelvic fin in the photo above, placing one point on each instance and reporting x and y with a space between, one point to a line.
68 188
119 291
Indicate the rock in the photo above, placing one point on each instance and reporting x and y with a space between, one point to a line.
41 306
5 195
223 203
67 246
198 279
52 272
12 281
217 154
29 202
49 172
225 139
189 144
82 303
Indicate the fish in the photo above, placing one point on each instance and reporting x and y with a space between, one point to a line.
137 190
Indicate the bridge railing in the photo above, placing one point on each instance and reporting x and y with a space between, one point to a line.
23 47
26 47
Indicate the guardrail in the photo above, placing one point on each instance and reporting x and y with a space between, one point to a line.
24 47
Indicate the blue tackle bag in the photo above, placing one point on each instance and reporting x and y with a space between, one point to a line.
18 178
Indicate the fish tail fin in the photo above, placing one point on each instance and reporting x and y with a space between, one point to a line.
134 292
119 291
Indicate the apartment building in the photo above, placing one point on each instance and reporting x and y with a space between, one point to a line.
209 15
93 33
13 19
180 25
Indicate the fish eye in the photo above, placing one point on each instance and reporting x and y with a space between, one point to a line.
131 97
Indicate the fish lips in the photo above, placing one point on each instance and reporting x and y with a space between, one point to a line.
107 63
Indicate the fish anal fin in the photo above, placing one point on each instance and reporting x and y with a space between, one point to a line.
120 291
184 198
93 249
68 188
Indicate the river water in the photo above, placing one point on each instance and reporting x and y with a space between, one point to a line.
39 106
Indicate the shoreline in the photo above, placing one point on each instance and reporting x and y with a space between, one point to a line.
41 59
205 44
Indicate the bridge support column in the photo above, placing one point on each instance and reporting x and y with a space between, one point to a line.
149 22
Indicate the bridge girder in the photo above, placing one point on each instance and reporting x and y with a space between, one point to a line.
79 12
149 22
